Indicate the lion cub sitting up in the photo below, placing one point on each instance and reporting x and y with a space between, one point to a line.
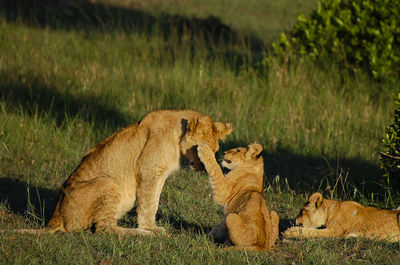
321 217
249 223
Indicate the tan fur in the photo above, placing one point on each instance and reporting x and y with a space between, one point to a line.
344 219
134 161
249 223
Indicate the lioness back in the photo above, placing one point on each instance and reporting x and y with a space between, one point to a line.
249 223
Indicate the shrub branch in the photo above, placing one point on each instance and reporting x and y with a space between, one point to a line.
391 156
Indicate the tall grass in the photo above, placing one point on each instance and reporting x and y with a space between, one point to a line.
71 75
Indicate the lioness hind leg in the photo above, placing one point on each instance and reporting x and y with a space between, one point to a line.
110 205
78 207
239 233
106 221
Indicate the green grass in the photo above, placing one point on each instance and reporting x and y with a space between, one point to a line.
266 19
70 75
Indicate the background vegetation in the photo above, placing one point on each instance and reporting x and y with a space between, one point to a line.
72 72
362 35
390 160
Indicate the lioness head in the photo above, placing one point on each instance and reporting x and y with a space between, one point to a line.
242 156
201 130
313 214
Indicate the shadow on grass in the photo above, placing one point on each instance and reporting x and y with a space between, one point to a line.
88 17
21 197
31 94
179 224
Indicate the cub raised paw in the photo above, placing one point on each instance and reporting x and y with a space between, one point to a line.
204 152
249 223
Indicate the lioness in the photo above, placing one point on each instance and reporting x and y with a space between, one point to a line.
134 161
328 218
248 223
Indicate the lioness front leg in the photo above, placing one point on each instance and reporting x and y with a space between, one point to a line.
149 192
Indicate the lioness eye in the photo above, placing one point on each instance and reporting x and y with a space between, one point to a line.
228 161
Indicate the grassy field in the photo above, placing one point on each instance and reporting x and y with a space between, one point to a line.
72 73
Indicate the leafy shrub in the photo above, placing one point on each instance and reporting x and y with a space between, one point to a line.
390 157
361 34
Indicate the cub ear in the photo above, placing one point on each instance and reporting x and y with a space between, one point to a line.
254 150
316 199
222 129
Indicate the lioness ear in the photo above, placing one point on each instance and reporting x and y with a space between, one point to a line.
254 150
222 129
189 125
316 199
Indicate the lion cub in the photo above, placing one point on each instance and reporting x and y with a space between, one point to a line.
249 223
132 163
321 217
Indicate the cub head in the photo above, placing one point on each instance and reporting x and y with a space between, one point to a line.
201 130
313 213
243 157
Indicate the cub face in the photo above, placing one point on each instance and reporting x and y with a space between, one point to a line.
198 131
313 213
241 156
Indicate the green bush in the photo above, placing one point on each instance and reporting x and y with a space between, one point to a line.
390 157
359 34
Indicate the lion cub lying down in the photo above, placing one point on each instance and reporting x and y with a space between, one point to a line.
321 217
248 222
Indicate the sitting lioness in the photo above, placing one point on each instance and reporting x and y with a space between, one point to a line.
248 223
328 218
134 161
